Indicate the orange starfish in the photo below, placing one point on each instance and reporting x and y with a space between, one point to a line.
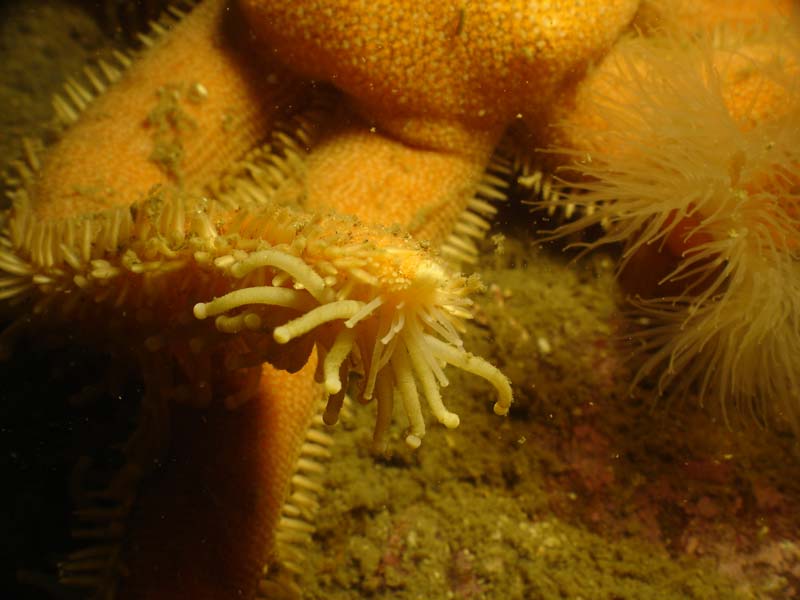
136 227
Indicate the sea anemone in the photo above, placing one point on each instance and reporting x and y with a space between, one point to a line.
378 303
687 151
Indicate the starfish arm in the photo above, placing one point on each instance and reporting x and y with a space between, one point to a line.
206 523
180 114
411 65
420 190
707 15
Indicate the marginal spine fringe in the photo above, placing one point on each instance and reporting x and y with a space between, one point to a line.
293 534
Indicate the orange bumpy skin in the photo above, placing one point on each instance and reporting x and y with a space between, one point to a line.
686 149
428 73
431 87
179 115
709 15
